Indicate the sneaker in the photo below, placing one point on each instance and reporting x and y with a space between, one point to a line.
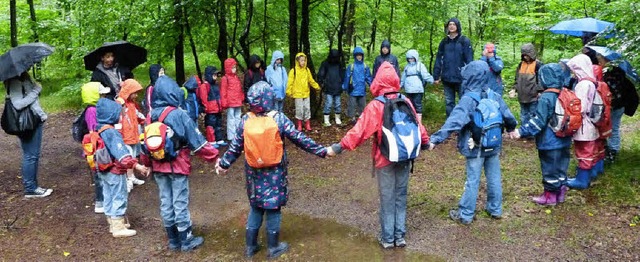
493 216
39 192
221 143
454 214
400 242
129 185
99 208
386 245
137 181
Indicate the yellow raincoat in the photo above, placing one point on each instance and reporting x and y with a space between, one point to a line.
300 79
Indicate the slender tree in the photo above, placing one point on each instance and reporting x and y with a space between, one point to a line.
14 24
179 47
293 31
221 18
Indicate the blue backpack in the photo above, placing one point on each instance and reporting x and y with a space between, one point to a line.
487 120
401 137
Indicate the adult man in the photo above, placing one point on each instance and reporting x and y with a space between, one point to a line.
110 74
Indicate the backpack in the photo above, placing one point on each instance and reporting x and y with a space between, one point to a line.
96 153
157 138
79 127
600 114
418 73
263 146
401 136
567 115
487 120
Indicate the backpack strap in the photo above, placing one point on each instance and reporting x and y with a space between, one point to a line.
552 90
165 113
103 128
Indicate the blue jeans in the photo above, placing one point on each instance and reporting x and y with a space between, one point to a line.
233 120
554 165
356 106
97 183
467 203
278 104
31 146
526 111
274 217
416 100
114 190
215 121
450 90
392 187
332 101
614 141
174 200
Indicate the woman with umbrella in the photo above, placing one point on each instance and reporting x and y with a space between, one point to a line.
112 64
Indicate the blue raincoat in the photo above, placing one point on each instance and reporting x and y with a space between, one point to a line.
277 75
358 74
415 75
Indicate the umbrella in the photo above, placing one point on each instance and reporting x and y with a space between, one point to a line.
126 54
20 58
605 52
578 27
622 63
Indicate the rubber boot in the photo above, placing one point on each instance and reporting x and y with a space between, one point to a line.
276 248
210 135
174 237
299 125
338 121
419 117
562 194
119 230
307 125
188 241
582 179
547 198
251 240
326 121
599 168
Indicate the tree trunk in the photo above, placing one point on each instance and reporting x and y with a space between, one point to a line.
539 34
393 7
293 32
351 30
341 29
374 28
14 24
221 18
264 33
244 37
179 49
191 42
431 51
34 22
306 48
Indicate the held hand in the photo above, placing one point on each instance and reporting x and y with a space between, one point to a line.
512 93
219 169
330 152
471 143
437 82
142 170
515 134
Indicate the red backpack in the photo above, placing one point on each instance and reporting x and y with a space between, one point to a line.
567 116
600 114
96 153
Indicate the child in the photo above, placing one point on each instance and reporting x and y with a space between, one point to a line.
277 76
414 77
91 92
357 77
231 96
155 71
210 98
554 151
191 104
267 186
527 82
114 187
393 177
330 78
172 175
298 83
129 124
495 65
254 73
475 83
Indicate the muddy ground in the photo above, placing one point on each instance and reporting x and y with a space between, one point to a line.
331 216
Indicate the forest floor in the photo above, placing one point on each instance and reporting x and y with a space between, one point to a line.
332 214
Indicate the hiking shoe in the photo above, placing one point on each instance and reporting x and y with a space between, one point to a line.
454 214
129 185
39 192
493 216
400 242
99 208
386 245
137 181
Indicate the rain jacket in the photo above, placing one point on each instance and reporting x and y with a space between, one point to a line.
267 187
370 122
393 60
90 96
495 66
357 75
191 104
415 75
581 67
527 76
99 76
253 75
154 71
231 94
475 79
185 132
108 113
209 92
300 79
131 117
277 75
550 76
331 73
452 55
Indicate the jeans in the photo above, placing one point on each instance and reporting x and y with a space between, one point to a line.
356 106
554 165
274 217
416 100
392 187
467 203
215 121
332 101
614 139
450 90
174 200
97 183
278 104
31 146
526 111
233 120
114 191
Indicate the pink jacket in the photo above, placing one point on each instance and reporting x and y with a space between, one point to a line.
582 68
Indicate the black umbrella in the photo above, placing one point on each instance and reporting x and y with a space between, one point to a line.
20 58
126 54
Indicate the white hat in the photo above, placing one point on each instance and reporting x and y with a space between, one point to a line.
103 90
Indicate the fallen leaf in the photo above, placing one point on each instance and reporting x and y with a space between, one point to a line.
632 224
66 254
590 214
548 211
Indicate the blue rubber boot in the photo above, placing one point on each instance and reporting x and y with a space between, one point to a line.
600 167
582 179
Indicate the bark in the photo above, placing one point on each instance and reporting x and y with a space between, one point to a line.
34 22
13 22
191 42
264 33
244 37
374 28
539 34
221 18
179 48
341 28
393 7
293 31
316 98
432 52
351 30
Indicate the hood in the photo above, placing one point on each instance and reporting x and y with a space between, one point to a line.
386 80
154 70
581 67
166 93
192 83
334 56
457 22
358 51
528 49
297 64
260 97
129 87
209 72
253 59
551 76
475 77
566 72
387 44
275 56
108 111
228 64
597 72
412 53
90 93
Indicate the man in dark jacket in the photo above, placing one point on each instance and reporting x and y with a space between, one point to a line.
385 55
110 74
454 52
330 79
254 73
624 101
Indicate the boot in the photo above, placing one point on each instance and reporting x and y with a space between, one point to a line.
299 125
276 248
599 168
307 125
210 135
119 230
326 121
174 237
338 121
110 225
251 239
562 194
547 198
582 179
419 117
188 241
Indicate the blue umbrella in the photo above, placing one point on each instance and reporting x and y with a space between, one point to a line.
605 52
578 27
613 56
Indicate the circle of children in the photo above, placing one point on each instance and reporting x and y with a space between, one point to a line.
560 103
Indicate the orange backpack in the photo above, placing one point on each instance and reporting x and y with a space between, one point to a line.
601 109
263 146
567 116
96 153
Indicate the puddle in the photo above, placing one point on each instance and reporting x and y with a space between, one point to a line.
310 239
